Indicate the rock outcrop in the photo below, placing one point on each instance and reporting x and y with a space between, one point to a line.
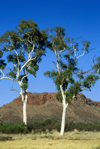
42 106
36 98
41 98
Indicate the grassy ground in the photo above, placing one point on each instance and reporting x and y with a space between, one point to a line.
71 140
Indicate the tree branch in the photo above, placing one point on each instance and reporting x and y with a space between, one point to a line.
25 65
24 76
62 50
81 54
30 54
83 88
17 59
15 90
6 77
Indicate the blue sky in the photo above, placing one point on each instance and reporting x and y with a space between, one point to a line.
79 17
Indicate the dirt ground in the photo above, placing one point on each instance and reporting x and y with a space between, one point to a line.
71 140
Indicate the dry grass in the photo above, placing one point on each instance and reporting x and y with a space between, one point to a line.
71 140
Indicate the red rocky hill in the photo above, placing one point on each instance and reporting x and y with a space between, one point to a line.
41 98
42 106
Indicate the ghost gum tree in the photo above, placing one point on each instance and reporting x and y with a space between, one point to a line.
69 79
24 48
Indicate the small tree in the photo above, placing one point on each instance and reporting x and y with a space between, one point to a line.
24 49
69 79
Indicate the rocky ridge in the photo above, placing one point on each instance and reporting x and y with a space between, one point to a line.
41 98
42 106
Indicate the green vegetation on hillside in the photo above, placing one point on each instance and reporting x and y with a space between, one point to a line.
46 126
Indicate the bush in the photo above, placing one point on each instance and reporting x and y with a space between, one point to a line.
43 126
13 128
38 127
82 126
47 122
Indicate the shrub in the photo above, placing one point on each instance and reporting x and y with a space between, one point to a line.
13 128
70 126
47 125
36 125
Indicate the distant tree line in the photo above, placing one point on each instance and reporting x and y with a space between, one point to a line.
48 126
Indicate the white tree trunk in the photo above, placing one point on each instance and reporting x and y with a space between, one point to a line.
63 119
65 105
24 100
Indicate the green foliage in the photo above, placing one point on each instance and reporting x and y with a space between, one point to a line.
12 74
75 89
32 35
86 45
54 75
59 96
1 53
12 128
51 74
32 67
41 126
38 127
57 37
68 74
2 62
70 126
89 81
97 65
47 122
24 85
25 46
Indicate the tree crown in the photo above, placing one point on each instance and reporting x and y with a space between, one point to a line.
24 48
68 74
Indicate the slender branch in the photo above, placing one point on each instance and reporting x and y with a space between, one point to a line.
54 63
13 54
75 51
24 76
62 50
83 88
15 90
8 49
2 72
73 48
8 78
27 63
81 72
17 59
81 54
76 57
30 55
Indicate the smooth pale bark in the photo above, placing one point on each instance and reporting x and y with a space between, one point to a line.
24 100
63 119
65 105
